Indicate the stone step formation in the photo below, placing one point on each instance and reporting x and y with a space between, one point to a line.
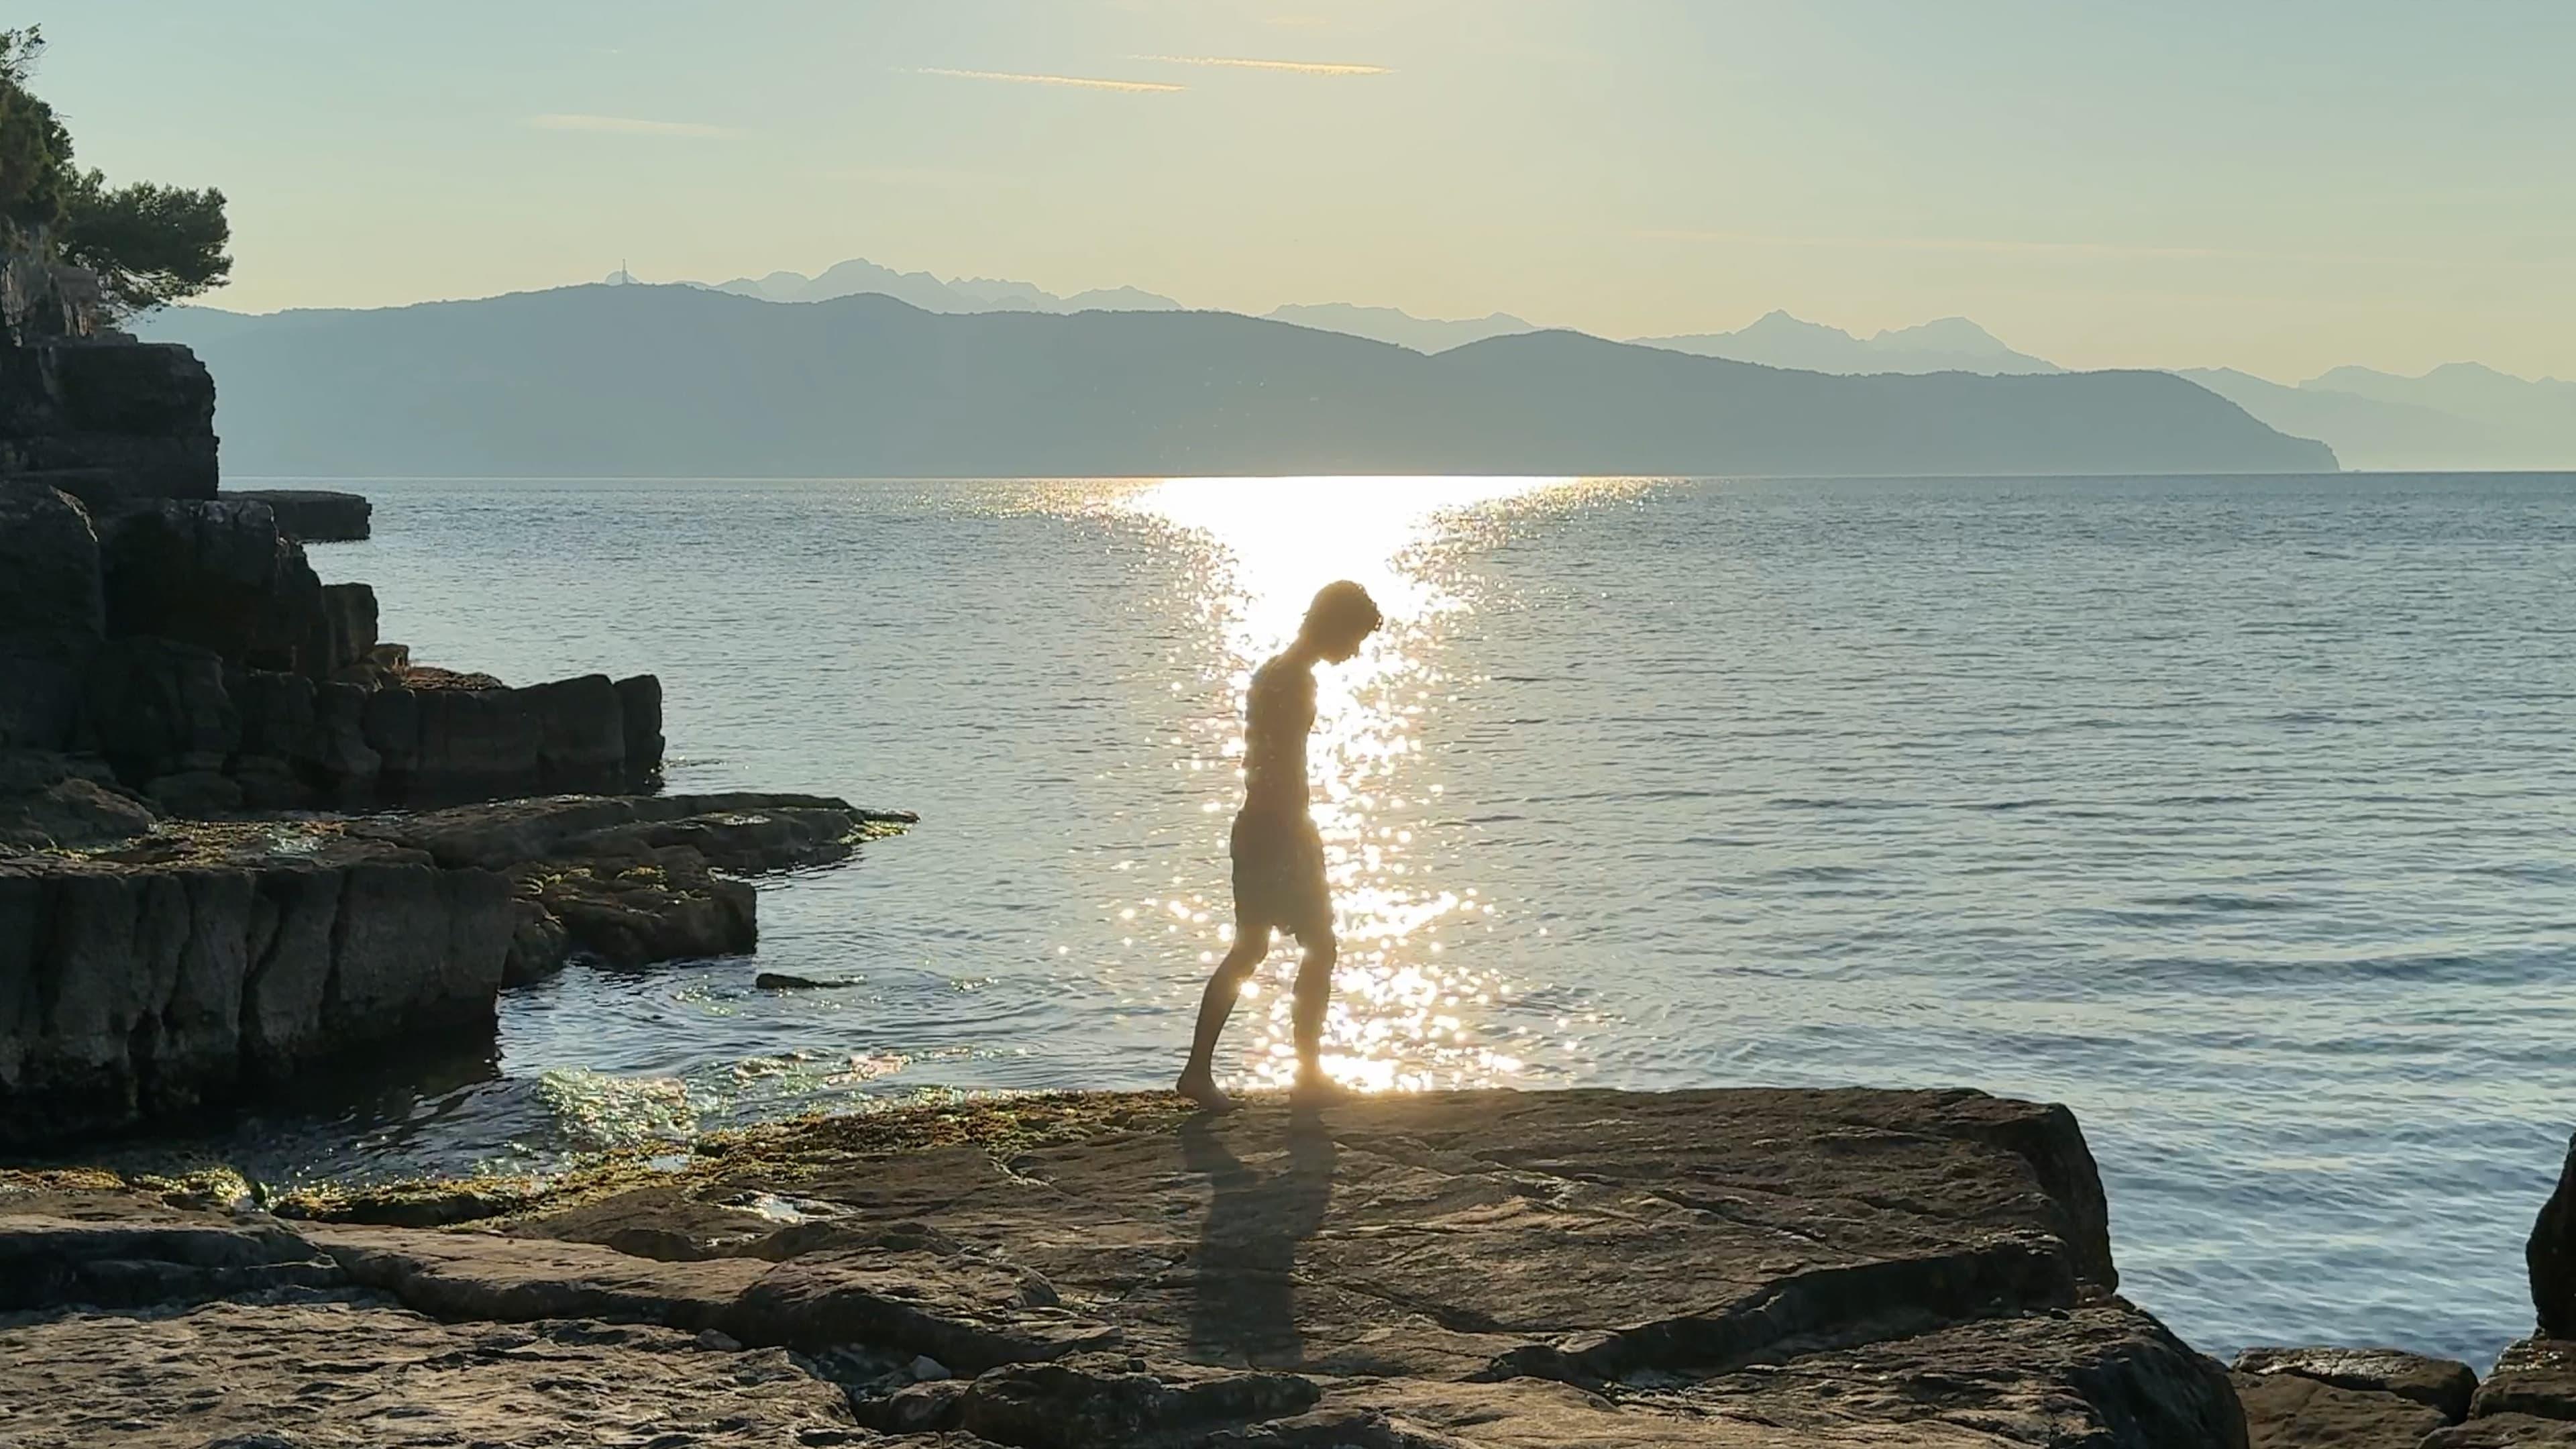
241 835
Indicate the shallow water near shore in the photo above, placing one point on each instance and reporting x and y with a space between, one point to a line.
2236 813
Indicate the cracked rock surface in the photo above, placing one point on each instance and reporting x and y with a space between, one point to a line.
1491 1270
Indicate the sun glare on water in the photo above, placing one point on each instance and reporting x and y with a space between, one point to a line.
1397 1019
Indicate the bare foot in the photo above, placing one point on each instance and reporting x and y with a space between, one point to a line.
1314 1089
1200 1087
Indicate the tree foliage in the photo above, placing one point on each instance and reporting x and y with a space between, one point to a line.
149 244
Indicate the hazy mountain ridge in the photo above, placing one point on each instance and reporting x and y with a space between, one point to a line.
663 381
2461 415
1949 344
932 294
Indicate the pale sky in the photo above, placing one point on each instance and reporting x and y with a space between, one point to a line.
2276 185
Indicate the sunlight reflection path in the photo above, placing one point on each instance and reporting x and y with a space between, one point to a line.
1396 1021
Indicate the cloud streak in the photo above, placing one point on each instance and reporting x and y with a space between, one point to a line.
1293 67
1081 82
630 126
2078 251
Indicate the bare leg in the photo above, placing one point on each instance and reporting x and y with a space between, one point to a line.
1314 993
1198 1078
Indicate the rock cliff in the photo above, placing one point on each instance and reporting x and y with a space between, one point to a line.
173 673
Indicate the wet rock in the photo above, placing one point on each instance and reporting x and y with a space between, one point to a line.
2290 1411
639 708
2441 1384
313 515
539 944
781 981
649 906
2536 1376
2551 1255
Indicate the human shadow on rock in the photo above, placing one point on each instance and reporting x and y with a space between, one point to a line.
1243 1307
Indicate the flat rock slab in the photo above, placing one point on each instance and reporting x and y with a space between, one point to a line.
1490 1270
329 1375
2441 1384
2290 1411
2535 1376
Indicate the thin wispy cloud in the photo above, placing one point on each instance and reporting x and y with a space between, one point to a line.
2075 251
1293 67
631 126
1084 82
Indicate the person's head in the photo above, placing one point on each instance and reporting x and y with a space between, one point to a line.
1340 618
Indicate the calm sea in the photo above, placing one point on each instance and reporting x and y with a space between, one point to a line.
2238 814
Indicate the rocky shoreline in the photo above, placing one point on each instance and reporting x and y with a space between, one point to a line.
1475 1270
243 837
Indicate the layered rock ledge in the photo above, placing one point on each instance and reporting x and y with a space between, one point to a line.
203 962
1466 1271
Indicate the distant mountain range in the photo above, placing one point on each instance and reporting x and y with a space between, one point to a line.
930 294
681 380
1952 344
2459 416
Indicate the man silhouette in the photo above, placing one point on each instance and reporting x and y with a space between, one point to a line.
1278 857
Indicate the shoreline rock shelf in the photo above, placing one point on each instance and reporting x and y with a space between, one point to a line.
180 694
1484 1270
202 963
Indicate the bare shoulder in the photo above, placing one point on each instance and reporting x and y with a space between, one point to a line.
1281 681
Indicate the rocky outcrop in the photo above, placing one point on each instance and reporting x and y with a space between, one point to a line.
132 989
201 963
2341 1398
196 965
1468 1271
189 644
2551 1254
313 515
108 421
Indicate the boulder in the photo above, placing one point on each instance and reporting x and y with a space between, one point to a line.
313 515
64 802
2440 1384
50 575
2536 1376
2551 1255
2291 1411
639 708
